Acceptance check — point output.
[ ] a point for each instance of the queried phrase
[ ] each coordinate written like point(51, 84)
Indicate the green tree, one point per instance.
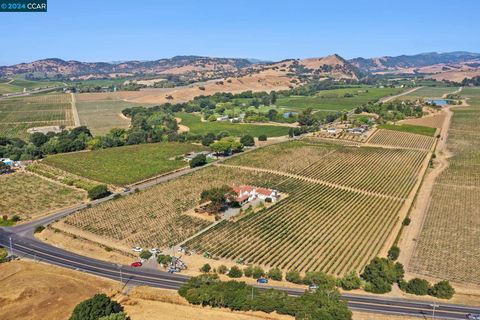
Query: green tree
point(206, 268)
point(294, 277)
point(442, 290)
point(98, 191)
point(418, 286)
point(393, 253)
point(116, 316)
point(322, 280)
point(198, 161)
point(96, 307)
point(3, 255)
point(38, 139)
point(275, 274)
point(257, 272)
point(350, 281)
point(164, 259)
point(247, 141)
point(381, 273)
point(207, 140)
point(262, 137)
point(222, 269)
point(145, 254)
point(248, 271)
point(235, 272)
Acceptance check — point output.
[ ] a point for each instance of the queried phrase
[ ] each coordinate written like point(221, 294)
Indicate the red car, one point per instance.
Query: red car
point(136, 264)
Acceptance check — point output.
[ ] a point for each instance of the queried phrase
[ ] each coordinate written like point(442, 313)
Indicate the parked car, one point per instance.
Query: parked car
point(155, 250)
point(262, 280)
point(473, 316)
point(137, 249)
point(136, 264)
point(171, 270)
point(312, 287)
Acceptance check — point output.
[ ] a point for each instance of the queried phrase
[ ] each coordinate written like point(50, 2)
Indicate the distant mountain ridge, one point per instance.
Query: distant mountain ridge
point(414, 61)
point(333, 66)
point(53, 66)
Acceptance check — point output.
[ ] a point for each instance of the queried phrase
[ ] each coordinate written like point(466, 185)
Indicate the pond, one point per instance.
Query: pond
point(439, 102)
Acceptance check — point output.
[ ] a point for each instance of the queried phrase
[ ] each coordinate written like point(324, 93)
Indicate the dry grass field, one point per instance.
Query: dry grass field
point(53, 295)
point(39, 291)
point(30, 196)
point(449, 243)
point(19, 114)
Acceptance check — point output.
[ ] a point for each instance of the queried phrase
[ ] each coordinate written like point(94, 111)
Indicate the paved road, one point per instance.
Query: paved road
point(25, 245)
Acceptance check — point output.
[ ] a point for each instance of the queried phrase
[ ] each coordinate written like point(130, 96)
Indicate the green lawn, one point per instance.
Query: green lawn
point(426, 131)
point(235, 129)
point(335, 99)
point(124, 165)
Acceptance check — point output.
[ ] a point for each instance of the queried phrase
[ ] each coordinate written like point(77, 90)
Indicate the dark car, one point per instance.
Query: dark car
point(262, 280)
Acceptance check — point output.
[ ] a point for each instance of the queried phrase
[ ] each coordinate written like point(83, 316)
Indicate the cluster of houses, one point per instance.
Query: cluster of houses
point(248, 193)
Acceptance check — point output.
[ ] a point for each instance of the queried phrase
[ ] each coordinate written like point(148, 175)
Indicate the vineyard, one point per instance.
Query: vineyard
point(399, 139)
point(29, 196)
point(391, 172)
point(124, 165)
point(449, 243)
point(315, 228)
point(343, 203)
point(154, 217)
point(279, 156)
point(433, 121)
point(19, 114)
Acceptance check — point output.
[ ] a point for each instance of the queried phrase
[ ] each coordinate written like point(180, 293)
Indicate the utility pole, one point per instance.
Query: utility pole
point(434, 305)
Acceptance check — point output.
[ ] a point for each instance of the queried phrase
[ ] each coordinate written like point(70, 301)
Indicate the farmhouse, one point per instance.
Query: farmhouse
point(249, 193)
point(222, 118)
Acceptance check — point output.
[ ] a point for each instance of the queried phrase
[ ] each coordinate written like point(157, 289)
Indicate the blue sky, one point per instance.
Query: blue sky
point(107, 30)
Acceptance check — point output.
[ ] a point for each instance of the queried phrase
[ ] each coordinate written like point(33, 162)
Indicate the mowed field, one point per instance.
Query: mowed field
point(29, 196)
point(335, 100)
point(196, 126)
point(449, 243)
point(102, 115)
point(19, 114)
point(124, 165)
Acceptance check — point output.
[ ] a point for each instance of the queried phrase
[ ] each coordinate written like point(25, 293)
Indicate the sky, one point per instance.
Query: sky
point(114, 30)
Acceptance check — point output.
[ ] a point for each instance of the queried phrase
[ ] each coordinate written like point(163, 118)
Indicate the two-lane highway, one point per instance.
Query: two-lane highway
point(25, 245)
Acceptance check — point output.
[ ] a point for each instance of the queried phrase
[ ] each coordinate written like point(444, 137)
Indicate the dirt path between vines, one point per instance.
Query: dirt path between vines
point(317, 181)
point(420, 207)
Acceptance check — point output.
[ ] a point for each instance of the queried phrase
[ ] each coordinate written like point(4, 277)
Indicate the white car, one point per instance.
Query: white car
point(137, 249)
point(155, 250)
